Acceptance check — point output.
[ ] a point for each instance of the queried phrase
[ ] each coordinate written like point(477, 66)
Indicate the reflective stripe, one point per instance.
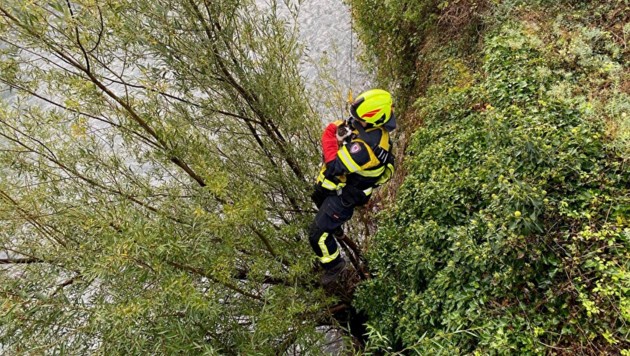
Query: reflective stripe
point(368, 191)
point(387, 175)
point(347, 160)
point(326, 256)
point(328, 184)
point(372, 173)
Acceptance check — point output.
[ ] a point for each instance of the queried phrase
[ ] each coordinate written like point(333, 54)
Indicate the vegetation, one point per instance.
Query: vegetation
point(511, 231)
point(156, 159)
point(397, 35)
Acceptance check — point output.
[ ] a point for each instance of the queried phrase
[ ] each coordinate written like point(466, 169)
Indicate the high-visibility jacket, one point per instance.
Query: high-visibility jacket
point(357, 164)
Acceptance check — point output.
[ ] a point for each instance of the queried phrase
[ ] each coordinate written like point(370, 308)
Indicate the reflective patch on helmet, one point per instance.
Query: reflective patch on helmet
point(355, 148)
point(371, 113)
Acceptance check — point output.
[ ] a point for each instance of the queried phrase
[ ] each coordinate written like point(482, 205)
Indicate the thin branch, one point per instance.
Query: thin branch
point(202, 273)
point(243, 274)
point(49, 101)
point(337, 308)
point(100, 33)
point(44, 229)
point(9, 261)
point(265, 241)
point(78, 38)
point(355, 256)
point(64, 284)
point(77, 174)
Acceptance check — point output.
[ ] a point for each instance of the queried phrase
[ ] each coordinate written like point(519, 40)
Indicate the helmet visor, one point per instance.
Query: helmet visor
point(353, 108)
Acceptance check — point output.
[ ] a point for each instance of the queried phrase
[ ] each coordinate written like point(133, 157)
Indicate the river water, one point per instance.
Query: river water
point(330, 67)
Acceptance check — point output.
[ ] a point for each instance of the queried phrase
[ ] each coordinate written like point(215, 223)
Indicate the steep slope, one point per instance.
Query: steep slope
point(511, 231)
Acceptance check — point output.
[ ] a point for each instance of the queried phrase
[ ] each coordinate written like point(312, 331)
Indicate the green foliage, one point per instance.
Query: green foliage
point(511, 232)
point(155, 164)
point(396, 34)
point(392, 33)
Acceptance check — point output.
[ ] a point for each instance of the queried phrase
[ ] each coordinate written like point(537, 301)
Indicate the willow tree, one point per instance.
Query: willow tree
point(155, 164)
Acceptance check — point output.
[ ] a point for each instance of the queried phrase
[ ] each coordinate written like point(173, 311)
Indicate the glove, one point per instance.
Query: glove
point(343, 131)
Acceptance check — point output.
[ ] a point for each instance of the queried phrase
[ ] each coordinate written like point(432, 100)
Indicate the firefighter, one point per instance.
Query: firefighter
point(357, 159)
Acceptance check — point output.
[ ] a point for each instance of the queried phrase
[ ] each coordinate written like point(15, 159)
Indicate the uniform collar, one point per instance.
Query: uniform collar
point(390, 125)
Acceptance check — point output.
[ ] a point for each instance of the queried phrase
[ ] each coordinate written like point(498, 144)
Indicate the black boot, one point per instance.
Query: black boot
point(331, 274)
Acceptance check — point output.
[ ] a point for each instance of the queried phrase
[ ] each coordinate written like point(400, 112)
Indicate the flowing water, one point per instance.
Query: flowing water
point(331, 67)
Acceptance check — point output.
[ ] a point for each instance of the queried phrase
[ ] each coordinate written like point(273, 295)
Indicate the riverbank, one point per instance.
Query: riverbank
point(510, 231)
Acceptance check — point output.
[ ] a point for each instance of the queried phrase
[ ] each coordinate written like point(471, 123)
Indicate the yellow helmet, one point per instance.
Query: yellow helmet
point(373, 106)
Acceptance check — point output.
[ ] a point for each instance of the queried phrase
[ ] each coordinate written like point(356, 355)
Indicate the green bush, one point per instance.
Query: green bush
point(511, 232)
point(392, 32)
point(395, 34)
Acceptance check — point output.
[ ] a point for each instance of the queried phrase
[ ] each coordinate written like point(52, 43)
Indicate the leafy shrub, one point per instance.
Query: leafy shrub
point(392, 32)
point(511, 232)
point(395, 33)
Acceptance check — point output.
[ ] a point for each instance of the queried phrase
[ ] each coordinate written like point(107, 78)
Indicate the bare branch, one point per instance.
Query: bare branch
point(9, 261)
point(100, 33)
point(78, 38)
